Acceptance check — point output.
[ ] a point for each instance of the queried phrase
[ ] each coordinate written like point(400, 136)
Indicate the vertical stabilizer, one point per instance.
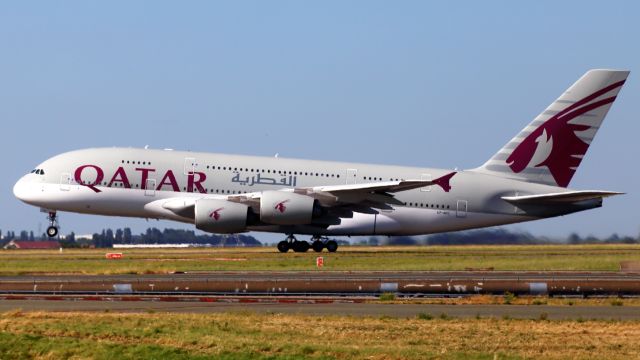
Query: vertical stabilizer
point(550, 149)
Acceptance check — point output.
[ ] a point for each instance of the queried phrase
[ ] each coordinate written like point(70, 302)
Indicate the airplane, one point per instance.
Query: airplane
point(525, 180)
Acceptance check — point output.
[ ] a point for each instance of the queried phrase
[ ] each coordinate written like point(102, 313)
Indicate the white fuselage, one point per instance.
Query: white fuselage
point(137, 182)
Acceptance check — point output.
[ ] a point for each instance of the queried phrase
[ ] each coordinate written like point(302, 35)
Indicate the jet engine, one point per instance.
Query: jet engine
point(287, 208)
point(221, 216)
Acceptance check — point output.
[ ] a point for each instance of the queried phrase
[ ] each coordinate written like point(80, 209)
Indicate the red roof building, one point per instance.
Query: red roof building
point(16, 244)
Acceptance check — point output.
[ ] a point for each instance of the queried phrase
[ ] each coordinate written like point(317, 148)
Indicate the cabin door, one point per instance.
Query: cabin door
point(351, 175)
point(461, 209)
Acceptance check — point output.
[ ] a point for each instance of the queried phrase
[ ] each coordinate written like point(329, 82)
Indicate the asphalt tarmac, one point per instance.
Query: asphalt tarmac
point(178, 293)
point(339, 275)
point(350, 309)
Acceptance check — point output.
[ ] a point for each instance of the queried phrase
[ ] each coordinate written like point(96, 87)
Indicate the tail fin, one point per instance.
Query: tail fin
point(551, 147)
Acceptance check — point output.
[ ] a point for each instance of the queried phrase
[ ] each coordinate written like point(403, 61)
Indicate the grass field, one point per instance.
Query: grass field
point(276, 336)
point(248, 335)
point(140, 261)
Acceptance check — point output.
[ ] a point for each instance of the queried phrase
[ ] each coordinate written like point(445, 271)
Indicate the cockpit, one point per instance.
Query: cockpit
point(37, 171)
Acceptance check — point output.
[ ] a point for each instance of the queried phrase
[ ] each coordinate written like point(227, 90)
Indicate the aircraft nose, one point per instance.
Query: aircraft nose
point(22, 190)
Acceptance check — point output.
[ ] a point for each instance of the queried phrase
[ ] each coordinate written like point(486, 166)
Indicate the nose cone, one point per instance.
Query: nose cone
point(23, 189)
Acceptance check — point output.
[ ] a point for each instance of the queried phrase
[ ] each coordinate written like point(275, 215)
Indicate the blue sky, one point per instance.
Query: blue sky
point(439, 84)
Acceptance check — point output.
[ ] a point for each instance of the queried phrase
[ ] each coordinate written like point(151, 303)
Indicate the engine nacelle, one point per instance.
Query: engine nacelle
point(287, 208)
point(221, 216)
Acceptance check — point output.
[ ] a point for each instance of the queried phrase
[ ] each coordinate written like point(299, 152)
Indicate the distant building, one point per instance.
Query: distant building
point(17, 244)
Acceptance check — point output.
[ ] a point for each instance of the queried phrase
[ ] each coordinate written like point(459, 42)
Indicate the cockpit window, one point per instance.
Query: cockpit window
point(37, 171)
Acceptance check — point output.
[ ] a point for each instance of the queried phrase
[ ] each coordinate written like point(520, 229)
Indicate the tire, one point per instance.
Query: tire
point(332, 246)
point(52, 231)
point(303, 246)
point(283, 246)
point(300, 246)
point(317, 246)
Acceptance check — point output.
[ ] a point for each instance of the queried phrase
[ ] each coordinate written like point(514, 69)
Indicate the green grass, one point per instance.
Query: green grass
point(533, 257)
point(246, 335)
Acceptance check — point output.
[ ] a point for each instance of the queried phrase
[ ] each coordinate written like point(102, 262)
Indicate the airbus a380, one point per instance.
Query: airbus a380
point(526, 180)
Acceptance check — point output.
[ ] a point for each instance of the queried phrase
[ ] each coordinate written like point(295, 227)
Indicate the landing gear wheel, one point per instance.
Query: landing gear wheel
point(283, 246)
point(332, 246)
point(52, 231)
point(301, 246)
point(317, 246)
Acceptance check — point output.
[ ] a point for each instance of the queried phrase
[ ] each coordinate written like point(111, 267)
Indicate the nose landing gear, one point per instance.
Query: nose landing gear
point(52, 230)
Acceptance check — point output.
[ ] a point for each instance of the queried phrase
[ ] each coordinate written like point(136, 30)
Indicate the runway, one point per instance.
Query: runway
point(339, 308)
point(319, 292)
point(356, 283)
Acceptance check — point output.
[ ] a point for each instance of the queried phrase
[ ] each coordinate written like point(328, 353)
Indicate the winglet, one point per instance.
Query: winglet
point(443, 181)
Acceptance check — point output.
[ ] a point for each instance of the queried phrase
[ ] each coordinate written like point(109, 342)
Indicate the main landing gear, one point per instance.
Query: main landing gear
point(317, 244)
point(52, 230)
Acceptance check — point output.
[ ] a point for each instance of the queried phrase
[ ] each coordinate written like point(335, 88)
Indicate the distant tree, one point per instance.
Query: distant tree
point(108, 239)
point(126, 236)
point(373, 241)
point(97, 240)
point(102, 239)
point(31, 237)
point(24, 235)
point(119, 236)
point(592, 240)
point(361, 242)
point(574, 239)
point(613, 239)
point(401, 240)
point(0, 234)
point(69, 241)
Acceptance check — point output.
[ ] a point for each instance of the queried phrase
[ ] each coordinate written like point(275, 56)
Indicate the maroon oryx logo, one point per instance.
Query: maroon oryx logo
point(215, 214)
point(280, 206)
point(561, 150)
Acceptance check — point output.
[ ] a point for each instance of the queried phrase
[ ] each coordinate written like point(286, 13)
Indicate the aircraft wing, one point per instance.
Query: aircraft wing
point(357, 196)
point(387, 186)
point(370, 193)
point(560, 198)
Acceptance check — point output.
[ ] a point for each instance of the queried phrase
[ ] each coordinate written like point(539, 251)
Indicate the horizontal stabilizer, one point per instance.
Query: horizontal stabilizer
point(560, 198)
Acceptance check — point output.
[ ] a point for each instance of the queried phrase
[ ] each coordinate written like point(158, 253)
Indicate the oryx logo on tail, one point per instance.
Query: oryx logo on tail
point(555, 143)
